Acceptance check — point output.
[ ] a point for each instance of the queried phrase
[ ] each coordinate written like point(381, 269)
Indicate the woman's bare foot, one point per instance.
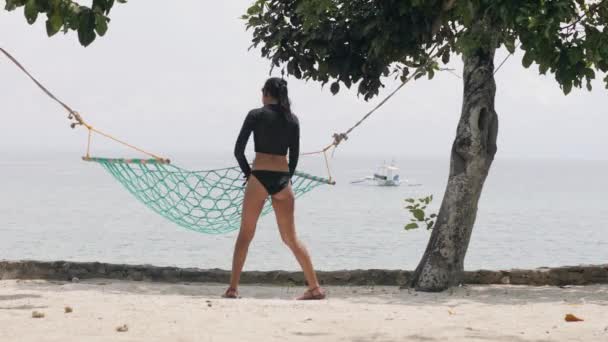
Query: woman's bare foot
point(315, 293)
point(231, 293)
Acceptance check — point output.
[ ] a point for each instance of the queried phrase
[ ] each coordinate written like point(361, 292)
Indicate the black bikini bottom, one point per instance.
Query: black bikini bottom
point(273, 181)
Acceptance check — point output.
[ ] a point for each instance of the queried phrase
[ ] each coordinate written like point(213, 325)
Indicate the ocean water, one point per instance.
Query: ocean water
point(532, 213)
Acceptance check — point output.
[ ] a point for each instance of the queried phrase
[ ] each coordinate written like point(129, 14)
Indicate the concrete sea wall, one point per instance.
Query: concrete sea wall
point(67, 270)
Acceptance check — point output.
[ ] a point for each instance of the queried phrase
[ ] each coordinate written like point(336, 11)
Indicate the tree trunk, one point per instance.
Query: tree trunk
point(473, 151)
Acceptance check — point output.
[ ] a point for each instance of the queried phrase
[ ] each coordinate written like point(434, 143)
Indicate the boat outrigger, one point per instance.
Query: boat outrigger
point(385, 175)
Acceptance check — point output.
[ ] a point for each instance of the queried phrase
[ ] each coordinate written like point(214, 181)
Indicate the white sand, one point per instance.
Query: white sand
point(182, 312)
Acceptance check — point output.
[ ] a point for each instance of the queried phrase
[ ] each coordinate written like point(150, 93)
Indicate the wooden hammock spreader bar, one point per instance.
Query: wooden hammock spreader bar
point(127, 161)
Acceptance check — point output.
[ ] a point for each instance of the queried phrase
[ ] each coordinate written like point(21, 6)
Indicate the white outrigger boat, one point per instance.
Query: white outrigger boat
point(385, 175)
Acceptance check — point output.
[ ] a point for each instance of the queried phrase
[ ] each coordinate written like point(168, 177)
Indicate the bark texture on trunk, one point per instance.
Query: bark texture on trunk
point(473, 151)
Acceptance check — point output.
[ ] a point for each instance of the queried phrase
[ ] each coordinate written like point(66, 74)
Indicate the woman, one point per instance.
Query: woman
point(275, 131)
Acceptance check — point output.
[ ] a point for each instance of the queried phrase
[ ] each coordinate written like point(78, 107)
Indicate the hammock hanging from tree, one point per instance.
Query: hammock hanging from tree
point(203, 201)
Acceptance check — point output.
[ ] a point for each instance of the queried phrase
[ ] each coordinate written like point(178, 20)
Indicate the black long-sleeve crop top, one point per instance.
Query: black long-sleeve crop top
point(274, 132)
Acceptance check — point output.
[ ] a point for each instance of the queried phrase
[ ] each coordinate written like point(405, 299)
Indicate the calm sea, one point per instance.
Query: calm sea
point(532, 213)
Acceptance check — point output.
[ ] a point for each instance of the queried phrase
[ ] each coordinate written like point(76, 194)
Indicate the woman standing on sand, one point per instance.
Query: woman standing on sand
point(276, 131)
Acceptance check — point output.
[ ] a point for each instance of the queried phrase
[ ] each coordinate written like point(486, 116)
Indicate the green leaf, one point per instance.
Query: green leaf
point(86, 27)
point(101, 24)
point(527, 60)
point(411, 226)
point(335, 88)
point(589, 73)
point(109, 5)
point(99, 5)
point(410, 200)
point(510, 45)
point(567, 87)
point(9, 6)
point(430, 225)
point(445, 57)
point(253, 10)
point(53, 24)
point(31, 11)
point(575, 55)
point(418, 214)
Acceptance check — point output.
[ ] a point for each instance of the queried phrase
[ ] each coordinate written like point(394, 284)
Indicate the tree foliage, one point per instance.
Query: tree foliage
point(417, 208)
point(349, 42)
point(66, 15)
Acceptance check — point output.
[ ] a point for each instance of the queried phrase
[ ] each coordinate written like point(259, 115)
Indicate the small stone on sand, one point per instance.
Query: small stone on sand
point(572, 318)
point(122, 328)
point(37, 314)
point(68, 309)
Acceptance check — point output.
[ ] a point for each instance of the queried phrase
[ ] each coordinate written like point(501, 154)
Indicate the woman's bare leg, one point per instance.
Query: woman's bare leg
point(284, 205)
point(253, 203)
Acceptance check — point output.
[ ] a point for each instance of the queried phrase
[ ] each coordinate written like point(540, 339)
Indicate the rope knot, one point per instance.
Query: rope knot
point(339, 137)
point(74, 115)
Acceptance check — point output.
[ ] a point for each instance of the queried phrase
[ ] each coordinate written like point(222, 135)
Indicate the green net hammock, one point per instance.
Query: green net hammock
point(203, 201)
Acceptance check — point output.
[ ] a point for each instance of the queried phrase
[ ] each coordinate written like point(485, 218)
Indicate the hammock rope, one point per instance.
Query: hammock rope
point(338, 138)
point(204, 201)
point(75, 117)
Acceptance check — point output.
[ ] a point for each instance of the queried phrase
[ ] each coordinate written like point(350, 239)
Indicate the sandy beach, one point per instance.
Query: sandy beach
point(194, 312)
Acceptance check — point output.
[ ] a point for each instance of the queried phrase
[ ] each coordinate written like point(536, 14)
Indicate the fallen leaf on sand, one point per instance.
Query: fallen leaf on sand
point(572, 318)
point(68, 309)
point(451, 312)
point(122, 328)
point(37, 314)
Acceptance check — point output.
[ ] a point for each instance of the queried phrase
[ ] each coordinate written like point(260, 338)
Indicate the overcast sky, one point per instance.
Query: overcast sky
point(177, 77)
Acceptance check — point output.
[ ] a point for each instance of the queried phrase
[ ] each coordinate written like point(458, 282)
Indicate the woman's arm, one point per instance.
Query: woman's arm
point(241, 143)
point(294, 147)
